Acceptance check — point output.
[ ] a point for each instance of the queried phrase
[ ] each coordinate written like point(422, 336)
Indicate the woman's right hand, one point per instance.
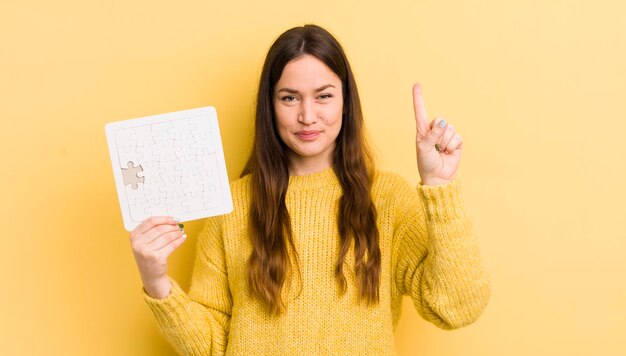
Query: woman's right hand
point(153, 241)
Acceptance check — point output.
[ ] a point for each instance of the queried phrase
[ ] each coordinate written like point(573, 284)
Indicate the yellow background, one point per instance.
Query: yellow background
point(536, 88)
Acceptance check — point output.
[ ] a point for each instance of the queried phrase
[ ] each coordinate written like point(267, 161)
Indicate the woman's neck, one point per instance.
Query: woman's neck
point(300, 167)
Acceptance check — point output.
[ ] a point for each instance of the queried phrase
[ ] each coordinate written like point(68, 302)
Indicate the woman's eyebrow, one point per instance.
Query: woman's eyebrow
point(290, 91)
point(293, 91)
point(324, 87)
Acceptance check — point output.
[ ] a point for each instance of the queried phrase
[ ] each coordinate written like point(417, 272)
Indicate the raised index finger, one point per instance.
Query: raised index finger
point(421, 118)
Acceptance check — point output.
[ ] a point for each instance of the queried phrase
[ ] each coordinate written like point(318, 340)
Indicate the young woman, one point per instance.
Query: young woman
point(320, 246)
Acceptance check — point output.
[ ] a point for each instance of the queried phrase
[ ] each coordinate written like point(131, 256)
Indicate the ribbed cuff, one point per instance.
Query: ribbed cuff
point(443, 203)
point(171, 309)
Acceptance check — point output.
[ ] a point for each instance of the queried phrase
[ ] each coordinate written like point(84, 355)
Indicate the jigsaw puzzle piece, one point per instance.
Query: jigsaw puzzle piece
point(209, 179)
point(153, 194)
point(188, 165)
point(126, 147)
point(212, 198)
point(175, 190)
point(155, 199)
point(153, 174)
point(208, 170)
point(137, 202)
point(168, 172)
point(158, 207)
point(196, 202)
point(148, 153)
point(161, 133)
point(181, 130)
point(205, 143)
point(143, 136)
point(170, 152)
point(177, 207)
point(135, 195)
point(201, 131)
point(186, 147)
point(175, 199)
point(197, 123)
point(193, 193)
point(137, 208)
point(149, 159)
point(211, 188)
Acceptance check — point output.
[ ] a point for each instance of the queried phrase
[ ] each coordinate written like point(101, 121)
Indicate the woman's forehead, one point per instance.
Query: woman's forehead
point(307, 72)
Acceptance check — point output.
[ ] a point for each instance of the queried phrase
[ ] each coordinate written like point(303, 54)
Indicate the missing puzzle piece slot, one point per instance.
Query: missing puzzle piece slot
point(130, 175)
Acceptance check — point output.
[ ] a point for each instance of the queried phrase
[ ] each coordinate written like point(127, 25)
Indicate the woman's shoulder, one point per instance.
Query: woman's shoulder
point(389, 180)
point(241, 184)
point(390, 184)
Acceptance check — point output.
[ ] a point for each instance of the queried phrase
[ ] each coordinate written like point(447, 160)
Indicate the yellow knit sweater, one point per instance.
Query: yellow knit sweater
point(428, 251)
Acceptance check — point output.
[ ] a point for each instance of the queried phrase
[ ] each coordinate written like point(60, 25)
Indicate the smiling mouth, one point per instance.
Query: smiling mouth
point(308, 135)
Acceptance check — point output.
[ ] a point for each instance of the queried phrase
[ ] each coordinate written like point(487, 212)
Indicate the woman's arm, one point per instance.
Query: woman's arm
point(436, 256)
point(197, 323)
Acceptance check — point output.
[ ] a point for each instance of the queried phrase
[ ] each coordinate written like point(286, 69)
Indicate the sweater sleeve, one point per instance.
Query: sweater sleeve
point(437, 258)
point(197, 323)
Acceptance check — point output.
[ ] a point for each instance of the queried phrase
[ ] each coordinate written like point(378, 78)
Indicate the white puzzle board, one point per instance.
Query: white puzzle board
point(169, 164)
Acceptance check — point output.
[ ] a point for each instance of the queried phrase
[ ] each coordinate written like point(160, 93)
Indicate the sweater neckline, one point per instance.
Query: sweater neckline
point(323, 178)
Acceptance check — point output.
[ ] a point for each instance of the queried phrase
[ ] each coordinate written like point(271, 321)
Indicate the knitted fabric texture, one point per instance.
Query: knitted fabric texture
point(428, 252)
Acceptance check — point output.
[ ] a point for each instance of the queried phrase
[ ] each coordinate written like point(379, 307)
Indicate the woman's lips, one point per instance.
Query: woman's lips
point(308, 135)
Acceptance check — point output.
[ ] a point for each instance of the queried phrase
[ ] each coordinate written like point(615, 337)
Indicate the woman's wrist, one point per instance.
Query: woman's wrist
point(435, 181)
point(158, 289)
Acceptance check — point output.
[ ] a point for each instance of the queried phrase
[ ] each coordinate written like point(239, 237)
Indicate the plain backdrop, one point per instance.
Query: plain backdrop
point(536, 89)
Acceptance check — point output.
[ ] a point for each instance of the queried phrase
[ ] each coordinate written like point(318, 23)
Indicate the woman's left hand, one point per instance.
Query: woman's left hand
point(436, 166)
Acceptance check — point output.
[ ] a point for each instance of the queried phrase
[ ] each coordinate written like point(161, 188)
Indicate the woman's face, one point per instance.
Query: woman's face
point(308, 105)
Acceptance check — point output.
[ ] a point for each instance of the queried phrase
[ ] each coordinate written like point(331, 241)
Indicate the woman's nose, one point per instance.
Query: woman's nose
point(307, 115)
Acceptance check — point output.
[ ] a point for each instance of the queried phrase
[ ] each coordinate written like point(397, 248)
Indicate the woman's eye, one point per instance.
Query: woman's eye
point(288, 98)
point(325, 96)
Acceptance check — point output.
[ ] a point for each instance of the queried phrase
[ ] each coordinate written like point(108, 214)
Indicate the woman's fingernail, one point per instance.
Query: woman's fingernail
point(442, 123)
point(184, 236)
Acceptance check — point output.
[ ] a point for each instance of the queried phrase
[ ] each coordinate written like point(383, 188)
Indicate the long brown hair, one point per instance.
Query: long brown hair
point(268, 165)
